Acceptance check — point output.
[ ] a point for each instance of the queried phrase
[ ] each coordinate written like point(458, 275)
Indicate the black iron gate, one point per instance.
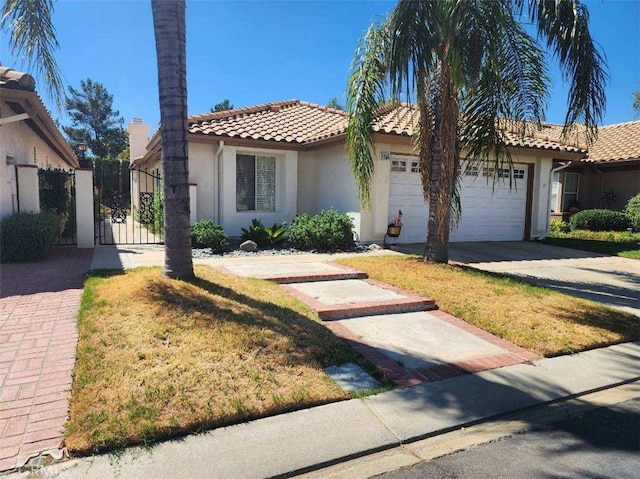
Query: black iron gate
point(57, 189)
point(128, 206)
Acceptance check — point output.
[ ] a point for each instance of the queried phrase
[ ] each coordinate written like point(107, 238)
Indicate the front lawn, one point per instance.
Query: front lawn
point(607, 242)
point(158, 358)
point(535, 318)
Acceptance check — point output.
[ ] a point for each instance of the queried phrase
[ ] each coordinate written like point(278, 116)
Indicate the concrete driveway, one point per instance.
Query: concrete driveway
point(610, 280)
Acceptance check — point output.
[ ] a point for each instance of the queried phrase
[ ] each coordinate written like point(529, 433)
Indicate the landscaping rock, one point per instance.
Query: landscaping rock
point(249, 246)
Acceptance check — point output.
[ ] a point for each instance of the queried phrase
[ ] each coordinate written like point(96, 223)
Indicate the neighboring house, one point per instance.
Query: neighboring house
point(277, 160)
point(607, 178)
point(28, 139)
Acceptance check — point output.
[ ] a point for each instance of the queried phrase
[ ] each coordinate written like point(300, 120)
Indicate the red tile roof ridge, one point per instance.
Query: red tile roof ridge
point(220, 115)
point(617, 125)
point(324, 108)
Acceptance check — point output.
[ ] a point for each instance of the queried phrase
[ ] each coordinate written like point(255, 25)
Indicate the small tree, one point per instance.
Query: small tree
point(222, 106)
point(636, 103)
point(335, 104)
point(94, 121)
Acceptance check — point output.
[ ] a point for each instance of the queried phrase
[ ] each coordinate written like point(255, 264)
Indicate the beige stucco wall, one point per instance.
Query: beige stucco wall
point(286, 189)
point(18, 141)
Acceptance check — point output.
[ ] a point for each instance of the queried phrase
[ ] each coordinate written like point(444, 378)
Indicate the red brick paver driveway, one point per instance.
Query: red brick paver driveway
point(39, 303)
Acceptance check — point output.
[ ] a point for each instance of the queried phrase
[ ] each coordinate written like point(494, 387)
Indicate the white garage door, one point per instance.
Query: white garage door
point(488, 213)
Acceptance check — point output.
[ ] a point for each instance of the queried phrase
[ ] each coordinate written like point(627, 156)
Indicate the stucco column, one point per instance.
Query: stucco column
point(28, 188)
point(193, 202)
point(84, 208)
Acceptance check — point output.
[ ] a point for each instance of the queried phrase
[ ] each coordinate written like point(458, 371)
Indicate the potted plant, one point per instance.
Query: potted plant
point(393, 229)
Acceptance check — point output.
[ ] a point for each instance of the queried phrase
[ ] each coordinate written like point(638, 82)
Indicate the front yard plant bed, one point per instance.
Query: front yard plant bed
point(158, 358)
point(539, 319)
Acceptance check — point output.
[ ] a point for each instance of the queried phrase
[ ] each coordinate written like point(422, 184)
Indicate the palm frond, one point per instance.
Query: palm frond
point(365, 91)
point(564, 24)
point(33, 39)
point(510, 90)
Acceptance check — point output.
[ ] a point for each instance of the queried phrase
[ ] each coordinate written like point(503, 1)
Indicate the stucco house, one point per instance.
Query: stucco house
point(606, 178)
point(29, 139)
point(276, 160)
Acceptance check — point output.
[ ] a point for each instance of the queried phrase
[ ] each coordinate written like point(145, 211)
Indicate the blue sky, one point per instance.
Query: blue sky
point(254, 52)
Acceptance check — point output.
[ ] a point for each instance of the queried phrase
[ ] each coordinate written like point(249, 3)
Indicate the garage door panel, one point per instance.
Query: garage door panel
point(489, 212)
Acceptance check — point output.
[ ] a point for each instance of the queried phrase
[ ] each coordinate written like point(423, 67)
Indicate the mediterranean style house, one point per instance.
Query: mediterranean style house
point(277, 160)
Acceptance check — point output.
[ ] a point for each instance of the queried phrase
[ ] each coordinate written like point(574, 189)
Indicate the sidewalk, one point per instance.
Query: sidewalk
point(303, 441)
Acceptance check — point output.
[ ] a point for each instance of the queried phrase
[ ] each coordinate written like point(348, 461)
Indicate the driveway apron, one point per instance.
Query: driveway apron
point(39, 303)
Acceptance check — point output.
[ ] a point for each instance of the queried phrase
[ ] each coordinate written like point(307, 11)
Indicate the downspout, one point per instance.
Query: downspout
point(548, 212)
point(217, 181)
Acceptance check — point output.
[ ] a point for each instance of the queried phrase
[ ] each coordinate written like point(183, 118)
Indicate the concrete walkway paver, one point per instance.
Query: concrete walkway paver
point(39, 303)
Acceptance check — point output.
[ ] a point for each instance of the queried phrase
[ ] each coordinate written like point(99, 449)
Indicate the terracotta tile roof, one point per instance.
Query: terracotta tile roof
point(300, 122)
point(15, 80)
point(399, 120)
point(290, 121)
point(616, 143)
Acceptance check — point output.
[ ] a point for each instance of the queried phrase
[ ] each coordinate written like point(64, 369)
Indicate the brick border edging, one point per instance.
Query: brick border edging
point(346, 273)
point(410, 303)
point(403, 377)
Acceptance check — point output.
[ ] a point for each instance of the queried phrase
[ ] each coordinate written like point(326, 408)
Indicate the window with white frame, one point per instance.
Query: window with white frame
point(570, 190)
point(255, 183)
point(554, 191)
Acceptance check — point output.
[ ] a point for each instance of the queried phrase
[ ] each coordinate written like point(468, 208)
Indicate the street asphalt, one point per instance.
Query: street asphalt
point(601, 443)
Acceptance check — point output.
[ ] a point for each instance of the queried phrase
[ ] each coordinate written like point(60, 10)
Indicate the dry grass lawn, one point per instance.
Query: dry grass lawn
point(538, 319)
point(158, 358)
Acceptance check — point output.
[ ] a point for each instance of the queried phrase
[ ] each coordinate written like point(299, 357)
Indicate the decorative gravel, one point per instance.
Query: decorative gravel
point(233, 251)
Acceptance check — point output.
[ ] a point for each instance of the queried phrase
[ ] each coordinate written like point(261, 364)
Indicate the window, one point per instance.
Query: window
point(255, 183)
point(415, 167)
point(570, 190)
point(554, 191)
point(398, 165)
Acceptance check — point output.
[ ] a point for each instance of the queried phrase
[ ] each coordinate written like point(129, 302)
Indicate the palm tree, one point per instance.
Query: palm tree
point(32, 37)
point(170, 32)
point(472, 72)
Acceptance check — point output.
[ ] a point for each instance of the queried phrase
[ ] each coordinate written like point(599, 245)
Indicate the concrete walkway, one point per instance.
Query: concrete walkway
point(610, 280)
point(39, 303)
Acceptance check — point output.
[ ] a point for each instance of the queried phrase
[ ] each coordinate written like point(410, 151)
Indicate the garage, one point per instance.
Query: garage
point(489, 213)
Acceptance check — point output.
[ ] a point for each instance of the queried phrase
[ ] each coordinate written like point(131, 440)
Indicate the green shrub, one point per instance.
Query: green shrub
point(599, 220)
point(204, 234)
point(558, 226)
point(56, 196)
point(276, 234)
point(158, 211)
point(327, 231)
point(632, 210)
point(264, 236)
point(255, 233)
point(28, 236)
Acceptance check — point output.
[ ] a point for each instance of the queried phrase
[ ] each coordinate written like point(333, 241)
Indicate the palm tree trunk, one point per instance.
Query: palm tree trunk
point(444, 170)
point(170, 32)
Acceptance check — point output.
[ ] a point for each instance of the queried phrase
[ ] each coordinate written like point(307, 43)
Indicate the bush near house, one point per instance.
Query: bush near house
point(632, 210)
point(205, 234)
point(599, 220)
point(28, 236)
point(264, 236)
point(327, 231)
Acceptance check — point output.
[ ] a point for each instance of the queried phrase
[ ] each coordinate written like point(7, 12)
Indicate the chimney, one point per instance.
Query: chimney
point(138, 138)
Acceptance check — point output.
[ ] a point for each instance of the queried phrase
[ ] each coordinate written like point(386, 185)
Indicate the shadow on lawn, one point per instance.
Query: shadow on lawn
point(311, 341)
